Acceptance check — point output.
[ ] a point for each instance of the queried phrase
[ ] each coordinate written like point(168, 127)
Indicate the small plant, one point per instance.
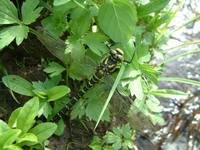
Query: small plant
point(23, 130)
point(119, 138)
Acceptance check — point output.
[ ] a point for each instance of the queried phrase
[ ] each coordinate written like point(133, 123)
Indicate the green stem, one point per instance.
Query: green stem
point(181, 55)
point(183, 45)
point(184, 25)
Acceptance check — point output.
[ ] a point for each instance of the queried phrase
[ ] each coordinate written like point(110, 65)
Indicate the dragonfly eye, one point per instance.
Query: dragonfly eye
point(117, 54)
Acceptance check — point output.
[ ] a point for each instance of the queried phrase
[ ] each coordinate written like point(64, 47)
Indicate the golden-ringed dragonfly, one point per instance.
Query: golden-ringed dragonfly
point(107, 66)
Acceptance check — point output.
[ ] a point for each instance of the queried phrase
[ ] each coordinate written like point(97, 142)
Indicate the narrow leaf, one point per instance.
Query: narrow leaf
point(119, 76)
point(181, 80)
point(168, 93)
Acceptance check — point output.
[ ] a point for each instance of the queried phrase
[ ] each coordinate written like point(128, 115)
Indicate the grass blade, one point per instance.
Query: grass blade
point(181, 55)
point(181, 80)
point(111, 94)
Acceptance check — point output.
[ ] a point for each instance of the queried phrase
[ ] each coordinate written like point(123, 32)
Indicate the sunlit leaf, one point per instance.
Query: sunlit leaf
point(117, 19)
point(30, 11)
point(8, 12)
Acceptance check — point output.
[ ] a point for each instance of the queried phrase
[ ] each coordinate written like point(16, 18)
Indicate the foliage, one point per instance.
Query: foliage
point(18, 29)
point(120, 138)
point(22, 129)
point(81, 34)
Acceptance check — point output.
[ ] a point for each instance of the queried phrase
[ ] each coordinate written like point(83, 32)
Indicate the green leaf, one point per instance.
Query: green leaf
point(117, 19)
point(12, 147)
point(78, 110)
point(96, 143)
point(153, 6)
point(55, 24)
point(157, 119)
point(81, 23)
point(95, 41)
point(28, 137)
point(8, 137)
point(44, 130)
point(3, 126)
point(45, 109)
point(94, 107)
point(60, 2)
point(154, 104)
point(13, 117)
point(18, 84)
point(8, 34)
point(30, 11)
point(54, 69)
point(57, 92)
point(27, 114)
point(150, 72)
point(136, 88)
point(8, 12)
point(168, 93)
point(60, 127)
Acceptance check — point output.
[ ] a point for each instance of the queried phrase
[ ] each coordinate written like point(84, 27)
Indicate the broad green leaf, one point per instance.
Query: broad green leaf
point(168, 93)
point(13, 117)
point(60, 2)
point(81, 24)
point(8, 12)
point(18, 84)
point(28, 137)
point(30, 11)
point(117, 19)
point(55, 24)
point(60, 127)
point(136, 88)
point(8, 137)
point(54, 69)
point(57, 92)
point(27, 114)
point(95, 41)
point(44, 130)
point(63, 9)
point(3, 126)
point(153, 6)
point(8, 34)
